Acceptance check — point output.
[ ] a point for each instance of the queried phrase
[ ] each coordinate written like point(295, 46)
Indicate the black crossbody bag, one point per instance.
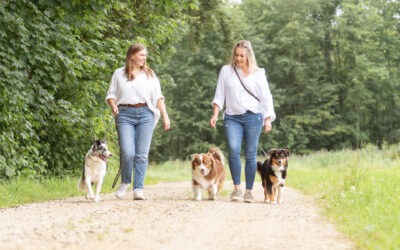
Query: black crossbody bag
point(240, 79)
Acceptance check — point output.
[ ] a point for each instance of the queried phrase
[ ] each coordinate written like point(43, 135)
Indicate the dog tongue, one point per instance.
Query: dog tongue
point(103, 157)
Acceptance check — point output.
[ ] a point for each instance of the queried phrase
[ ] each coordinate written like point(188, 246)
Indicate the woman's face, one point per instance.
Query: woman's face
point(241, 57)
point(139, 58)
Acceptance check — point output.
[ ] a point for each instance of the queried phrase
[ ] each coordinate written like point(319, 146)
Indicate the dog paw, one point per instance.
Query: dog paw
point(97, 199)
point(212, 198)
point(274, 203)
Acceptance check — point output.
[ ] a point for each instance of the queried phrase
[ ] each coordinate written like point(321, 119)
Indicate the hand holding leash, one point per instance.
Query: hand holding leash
point(267, 125)
point(114, 110)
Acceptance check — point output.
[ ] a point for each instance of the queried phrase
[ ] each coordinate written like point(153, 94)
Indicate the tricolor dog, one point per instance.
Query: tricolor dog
point(94, 169)
point(273, 174)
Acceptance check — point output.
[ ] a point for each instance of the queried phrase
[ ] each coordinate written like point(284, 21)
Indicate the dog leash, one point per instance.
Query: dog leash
point(120, 165)
point(108, 128)
point(105, 136)
point(262, 150)
point(116, 177)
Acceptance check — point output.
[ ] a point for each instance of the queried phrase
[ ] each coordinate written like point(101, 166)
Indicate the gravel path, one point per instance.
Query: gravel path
point(170, 219)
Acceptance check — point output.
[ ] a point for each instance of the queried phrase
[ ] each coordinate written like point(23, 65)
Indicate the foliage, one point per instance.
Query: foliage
point(332, 66)
point(333, 81)
point(56, 60)
point(194, 69)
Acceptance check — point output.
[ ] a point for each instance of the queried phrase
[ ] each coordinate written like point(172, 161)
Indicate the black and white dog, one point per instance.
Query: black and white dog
point(94, 169)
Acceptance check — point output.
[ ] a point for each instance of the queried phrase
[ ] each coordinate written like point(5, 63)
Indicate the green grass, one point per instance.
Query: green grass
point(357, 190)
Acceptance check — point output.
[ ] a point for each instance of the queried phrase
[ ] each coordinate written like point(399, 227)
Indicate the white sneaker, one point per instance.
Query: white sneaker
point(122, 190)
point(138, 194)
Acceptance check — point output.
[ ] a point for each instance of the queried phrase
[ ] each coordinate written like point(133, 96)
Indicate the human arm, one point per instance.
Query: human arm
point(266, 100)
point(219, 98)
point(214, 118)
point(164, 114)
point(113, 106)
point(111, 96)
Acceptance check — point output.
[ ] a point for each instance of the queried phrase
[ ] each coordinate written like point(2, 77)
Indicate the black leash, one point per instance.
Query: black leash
point(120, 165)
point(105, 136)
point(117, 177)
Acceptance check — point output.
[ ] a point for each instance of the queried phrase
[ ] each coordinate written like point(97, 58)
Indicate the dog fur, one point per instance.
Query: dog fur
point(208, 173)
point(94, 169)
point(273, 174)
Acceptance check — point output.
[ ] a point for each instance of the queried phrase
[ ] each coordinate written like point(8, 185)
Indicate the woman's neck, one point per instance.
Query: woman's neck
point(136, 69)
point(245, 70)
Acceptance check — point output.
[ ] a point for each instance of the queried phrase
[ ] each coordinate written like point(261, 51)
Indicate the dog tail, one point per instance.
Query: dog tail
point(81, 182)
point(217, 153)
point(81, 185)
point(259, 166)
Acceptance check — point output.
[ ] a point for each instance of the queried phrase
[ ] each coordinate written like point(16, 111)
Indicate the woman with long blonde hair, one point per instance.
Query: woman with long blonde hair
point(243, 88)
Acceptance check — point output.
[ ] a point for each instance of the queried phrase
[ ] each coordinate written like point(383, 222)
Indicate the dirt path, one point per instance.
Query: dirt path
point(169, 219)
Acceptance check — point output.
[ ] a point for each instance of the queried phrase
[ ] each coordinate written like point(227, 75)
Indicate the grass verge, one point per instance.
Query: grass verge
point(358, 191)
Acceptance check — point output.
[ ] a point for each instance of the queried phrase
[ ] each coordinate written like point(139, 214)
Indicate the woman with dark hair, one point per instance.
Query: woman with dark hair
point(243, 87)
point(136, 102)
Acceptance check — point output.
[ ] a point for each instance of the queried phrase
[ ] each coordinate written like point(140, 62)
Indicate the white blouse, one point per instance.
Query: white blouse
point(139, 90)
point(231, 92)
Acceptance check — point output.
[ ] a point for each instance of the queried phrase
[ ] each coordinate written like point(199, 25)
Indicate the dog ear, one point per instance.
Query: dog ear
point(94, 144)
point(287, 152)
point(272, 150)
point(193, 156)
point(212, 160)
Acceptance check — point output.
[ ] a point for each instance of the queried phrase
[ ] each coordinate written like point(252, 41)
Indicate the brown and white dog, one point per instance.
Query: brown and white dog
point(273, 174)
point(208, 173)
point(94, 169)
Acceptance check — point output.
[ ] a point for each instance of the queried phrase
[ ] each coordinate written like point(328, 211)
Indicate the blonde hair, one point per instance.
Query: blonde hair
point(133, 49)
point(251, 59)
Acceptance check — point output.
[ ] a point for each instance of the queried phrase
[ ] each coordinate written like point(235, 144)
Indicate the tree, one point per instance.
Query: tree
point(194, 69)
point(56, 60)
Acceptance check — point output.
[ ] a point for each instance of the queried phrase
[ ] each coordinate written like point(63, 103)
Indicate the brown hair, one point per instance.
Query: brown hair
point(133, 49)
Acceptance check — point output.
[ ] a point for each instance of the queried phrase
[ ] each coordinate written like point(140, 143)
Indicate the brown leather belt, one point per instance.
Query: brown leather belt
point(137, 105)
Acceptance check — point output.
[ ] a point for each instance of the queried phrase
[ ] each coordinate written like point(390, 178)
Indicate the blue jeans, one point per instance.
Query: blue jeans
point(135, 130)
point(245, 127)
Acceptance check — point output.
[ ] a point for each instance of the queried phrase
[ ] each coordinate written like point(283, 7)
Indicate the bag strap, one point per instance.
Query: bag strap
point(240, 79)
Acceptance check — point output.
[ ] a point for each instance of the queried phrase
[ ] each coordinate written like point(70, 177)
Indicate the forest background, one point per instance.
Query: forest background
point(332, 66)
